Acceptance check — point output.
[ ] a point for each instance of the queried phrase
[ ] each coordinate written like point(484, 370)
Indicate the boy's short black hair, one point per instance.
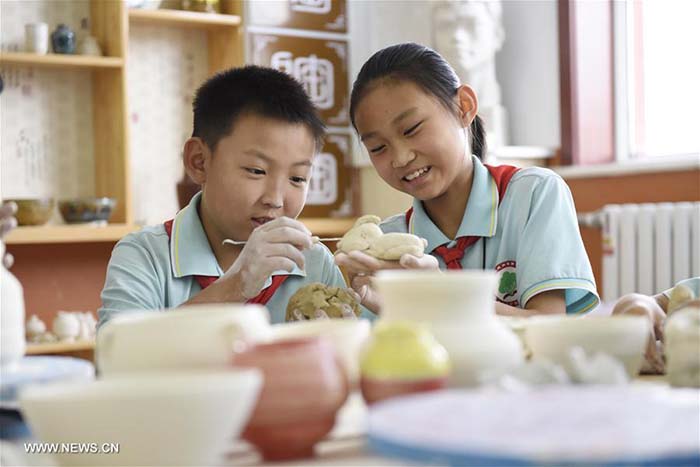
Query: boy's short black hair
point(259, 90)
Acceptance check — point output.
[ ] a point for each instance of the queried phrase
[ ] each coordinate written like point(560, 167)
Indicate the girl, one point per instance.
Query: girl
point(423, 135)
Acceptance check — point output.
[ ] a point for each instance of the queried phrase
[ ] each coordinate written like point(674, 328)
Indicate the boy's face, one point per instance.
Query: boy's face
point(258, 172)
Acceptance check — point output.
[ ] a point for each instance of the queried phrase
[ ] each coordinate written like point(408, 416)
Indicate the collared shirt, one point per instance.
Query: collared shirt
point(150, 271)
point(531, 238)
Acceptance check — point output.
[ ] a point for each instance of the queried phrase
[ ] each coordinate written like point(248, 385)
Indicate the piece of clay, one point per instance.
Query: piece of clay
point(682, 334)
point(309, 300)
point(367, 237)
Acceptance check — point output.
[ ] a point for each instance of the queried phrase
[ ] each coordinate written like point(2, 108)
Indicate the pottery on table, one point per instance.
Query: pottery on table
point(458, 308)
point(402, 357)
point(63, 40)
point(194, 336)
point(12, 341)
point(33, 211)
point(346, 335)
point(304, 387)
point(156, 419)
point(623, 337)
point(682, 334)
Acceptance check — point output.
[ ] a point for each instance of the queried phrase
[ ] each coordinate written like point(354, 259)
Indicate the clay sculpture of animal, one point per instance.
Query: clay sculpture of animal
point(367, 237)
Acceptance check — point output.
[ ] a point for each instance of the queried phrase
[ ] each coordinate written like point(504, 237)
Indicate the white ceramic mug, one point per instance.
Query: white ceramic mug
point(36, 36)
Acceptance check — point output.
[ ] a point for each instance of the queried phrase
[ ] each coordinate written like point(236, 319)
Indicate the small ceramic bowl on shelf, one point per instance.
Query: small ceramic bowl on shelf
point(82, 210)
point(36, 211)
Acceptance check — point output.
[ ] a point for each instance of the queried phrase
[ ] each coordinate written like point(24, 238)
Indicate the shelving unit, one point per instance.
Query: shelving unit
point(75, 233)
point(60, 61)
point(187, 19)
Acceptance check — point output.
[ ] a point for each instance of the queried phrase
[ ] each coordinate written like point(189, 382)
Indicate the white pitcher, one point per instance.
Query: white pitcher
point(459, 308)
point(12, 342)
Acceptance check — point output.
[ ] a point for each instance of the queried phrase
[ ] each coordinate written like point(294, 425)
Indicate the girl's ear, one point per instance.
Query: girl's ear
point(196, 158)
point(468, 104)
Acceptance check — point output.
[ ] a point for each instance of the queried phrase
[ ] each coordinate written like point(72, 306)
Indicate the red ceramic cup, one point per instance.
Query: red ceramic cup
point(303, 389)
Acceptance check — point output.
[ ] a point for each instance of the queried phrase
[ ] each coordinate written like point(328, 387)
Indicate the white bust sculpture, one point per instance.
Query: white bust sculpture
point(468, 33)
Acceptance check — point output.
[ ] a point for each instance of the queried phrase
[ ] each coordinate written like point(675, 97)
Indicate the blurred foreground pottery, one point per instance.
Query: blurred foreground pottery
point(195, 336)
point(304, 388)
point(12, 343)
point(402, 358)
point(682, 333)
point(346, 335)
point(166, 418)
point(623, 337)
point(458, 308)
point(33, 211)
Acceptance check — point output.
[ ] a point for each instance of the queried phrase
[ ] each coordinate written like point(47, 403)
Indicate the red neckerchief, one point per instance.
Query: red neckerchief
point(205, 281)
point(453, 256)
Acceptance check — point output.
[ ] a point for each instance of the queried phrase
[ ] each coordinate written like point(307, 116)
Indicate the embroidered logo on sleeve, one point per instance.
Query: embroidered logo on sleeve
point(507, 283)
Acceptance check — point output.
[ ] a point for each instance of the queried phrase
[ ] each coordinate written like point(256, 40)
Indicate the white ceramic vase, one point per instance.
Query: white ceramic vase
point(459, 308)
point(66, 326)
point(12, 343)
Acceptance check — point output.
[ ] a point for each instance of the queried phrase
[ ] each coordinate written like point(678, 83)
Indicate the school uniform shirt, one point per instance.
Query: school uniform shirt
point(149, 270)
point(530, 237)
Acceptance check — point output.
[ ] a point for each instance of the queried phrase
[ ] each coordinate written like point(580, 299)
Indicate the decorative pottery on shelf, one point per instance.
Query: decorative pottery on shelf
point(458, 307)
point(63, 40)
point(304, 387)
point(401, 358)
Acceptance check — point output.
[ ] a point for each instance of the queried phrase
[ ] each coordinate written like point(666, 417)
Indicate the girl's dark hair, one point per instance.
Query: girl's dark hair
point(425, 68)
point(266, 92)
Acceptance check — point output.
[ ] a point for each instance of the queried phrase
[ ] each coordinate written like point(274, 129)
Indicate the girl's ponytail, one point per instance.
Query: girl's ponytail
point(478, 137)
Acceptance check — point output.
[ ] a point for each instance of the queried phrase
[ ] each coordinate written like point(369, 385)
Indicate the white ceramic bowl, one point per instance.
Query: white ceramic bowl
point(197, 336)
point(347, 336)
point(160, 419)
point(622, 337)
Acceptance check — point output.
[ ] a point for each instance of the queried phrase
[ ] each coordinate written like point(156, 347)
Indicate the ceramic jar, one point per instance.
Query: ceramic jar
point(63, 40)
point(35, 328)
point(90, 46)
point(12, 343)
point(36, 36)
point(682, 334)
point(304, 386)
point(459, 309)
point(402, 357)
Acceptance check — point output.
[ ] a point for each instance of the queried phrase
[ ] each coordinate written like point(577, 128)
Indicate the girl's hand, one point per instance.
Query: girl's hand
point(638, 304)
point(360, 268)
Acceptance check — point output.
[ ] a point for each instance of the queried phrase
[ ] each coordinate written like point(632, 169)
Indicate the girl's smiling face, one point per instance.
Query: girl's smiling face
point(416, 144)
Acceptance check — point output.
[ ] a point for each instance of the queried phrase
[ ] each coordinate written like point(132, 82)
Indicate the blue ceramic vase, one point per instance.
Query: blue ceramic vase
point(63, 40)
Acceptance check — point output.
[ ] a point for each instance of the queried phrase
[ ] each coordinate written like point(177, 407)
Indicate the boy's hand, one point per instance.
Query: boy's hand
point(361, 267)
point(638, 304)
point(271, 247)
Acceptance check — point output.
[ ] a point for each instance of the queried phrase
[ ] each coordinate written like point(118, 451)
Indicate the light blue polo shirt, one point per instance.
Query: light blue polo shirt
point(148, 271)
point(531, 239)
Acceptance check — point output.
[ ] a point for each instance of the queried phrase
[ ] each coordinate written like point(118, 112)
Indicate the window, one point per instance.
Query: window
point(657, 78)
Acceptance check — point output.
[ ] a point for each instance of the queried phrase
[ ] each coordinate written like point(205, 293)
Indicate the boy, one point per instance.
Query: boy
point(254, 138)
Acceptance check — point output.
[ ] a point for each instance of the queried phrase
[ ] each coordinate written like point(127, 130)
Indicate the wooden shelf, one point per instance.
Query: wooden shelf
point(59, 60)
point(75, 233)
point(328, 227)
point(188, 19)
point(59, 347)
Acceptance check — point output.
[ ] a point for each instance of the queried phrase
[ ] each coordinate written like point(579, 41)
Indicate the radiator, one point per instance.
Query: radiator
point(647, 248)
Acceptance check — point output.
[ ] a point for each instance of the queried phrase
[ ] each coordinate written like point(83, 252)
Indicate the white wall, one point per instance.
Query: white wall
point(528, 72)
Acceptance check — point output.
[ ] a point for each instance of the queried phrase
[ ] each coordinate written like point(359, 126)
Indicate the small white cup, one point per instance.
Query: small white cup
point(36, 37)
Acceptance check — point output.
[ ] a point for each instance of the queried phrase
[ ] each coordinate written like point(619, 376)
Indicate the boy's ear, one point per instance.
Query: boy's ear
point(468, 104)
point(196, 157)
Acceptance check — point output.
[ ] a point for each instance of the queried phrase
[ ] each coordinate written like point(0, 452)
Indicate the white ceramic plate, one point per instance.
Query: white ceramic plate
point(556, 425)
